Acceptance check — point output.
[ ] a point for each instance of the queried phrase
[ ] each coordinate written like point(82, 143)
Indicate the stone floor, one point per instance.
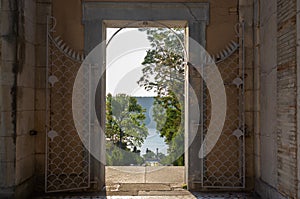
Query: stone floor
point(148, 191)
point(147, 183)
point(187, 195)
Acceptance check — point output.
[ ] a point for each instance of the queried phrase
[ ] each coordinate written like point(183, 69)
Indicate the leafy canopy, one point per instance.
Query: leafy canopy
point(125, 129)
point(163, 73)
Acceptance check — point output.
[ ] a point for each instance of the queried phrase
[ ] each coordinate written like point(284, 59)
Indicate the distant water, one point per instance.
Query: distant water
point(153, 141)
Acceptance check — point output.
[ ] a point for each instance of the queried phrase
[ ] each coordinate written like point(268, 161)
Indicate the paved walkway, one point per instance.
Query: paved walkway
point(140, 174)
point(148, 183)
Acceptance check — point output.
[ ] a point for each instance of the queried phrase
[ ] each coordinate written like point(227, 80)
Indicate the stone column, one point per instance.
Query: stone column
point(246, 17)
point(92, 39)
point(43, 9)
point(194, 138)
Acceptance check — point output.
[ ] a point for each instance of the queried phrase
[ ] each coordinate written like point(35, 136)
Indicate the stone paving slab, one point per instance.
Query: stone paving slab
point(145, 187)
point(141, 174)
point(169, 174)
point(130, 174)
point(186, 195)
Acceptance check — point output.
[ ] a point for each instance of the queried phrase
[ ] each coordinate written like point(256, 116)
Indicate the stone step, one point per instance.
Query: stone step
point(150, 193)
point(121, 193)
point(145, 187)
point(165, 193)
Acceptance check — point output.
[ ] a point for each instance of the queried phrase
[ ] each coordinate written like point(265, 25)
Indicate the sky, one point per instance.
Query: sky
point(124, 55)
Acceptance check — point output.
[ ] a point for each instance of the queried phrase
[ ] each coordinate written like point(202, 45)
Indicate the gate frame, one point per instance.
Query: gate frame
point(96, 14)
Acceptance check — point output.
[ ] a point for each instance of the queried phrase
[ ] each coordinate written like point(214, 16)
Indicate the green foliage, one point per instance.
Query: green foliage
point(163, 69)
point(116, 156)
point(164, 37)
point(176, 151)
point(125, 129)
point(125, 121)
point(163, 73)
point(167, 115)
point(150, 155)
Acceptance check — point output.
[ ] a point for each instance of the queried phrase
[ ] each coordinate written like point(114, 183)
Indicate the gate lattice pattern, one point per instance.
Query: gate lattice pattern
point(224, 166)
point(67, 160)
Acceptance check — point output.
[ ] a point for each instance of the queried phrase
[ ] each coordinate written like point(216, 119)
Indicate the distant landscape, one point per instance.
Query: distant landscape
point(153, 141)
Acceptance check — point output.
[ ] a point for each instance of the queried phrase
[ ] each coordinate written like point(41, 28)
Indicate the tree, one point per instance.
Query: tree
point(150, 155)
point(163, 73)
point(163, 64)
point(116, 156)
point(125, 129)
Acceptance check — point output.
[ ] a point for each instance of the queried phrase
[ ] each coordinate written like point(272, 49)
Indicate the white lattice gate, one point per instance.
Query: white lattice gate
point(67, 160)
point(224, 166)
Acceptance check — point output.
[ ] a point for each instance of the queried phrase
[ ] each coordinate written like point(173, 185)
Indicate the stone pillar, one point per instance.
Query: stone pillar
point(194, 138)
point(246, 17)
point(92, 39)
point(43, 9)
point(266, 139)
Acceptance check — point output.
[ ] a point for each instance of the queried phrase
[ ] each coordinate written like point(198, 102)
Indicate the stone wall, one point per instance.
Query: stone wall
point(266, 61)
point(17, 98)
point(9, 22)
point(286, 98)
point(220, 31)
point(25, 92)
point(276, 175)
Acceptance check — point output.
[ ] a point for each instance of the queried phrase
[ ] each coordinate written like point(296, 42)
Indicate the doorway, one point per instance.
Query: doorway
point(145, 80)
point(99, 15)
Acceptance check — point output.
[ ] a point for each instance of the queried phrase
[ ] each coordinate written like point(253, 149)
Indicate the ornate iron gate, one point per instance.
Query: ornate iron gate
point(224, 166)
point(67, 160)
